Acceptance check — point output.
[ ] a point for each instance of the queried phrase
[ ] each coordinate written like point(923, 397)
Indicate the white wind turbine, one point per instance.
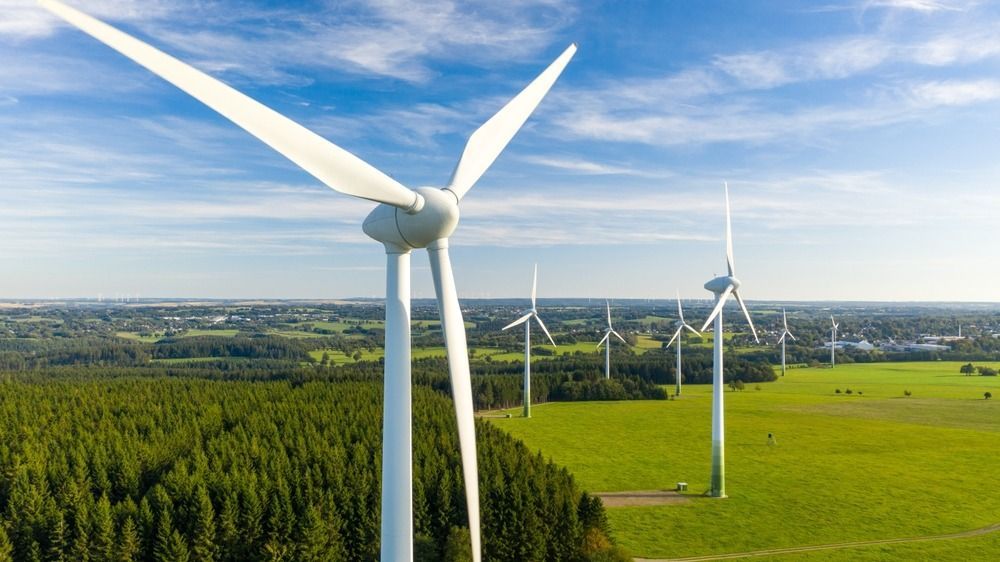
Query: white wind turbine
point(681, 325)
point(533, 313)
point(833, 342)
point(722, 286)
point(405, 220)
point(781, 340)
point(606, 341)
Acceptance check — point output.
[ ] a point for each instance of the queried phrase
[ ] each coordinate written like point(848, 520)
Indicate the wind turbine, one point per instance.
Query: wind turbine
point(723, 287)
point(533, 313)
point(781, 340)
point(405, 220)
point(607, 345)
point(681, 324)
point(833, 342)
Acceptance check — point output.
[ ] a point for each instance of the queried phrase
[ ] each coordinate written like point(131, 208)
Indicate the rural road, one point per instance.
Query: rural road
point(790, 550)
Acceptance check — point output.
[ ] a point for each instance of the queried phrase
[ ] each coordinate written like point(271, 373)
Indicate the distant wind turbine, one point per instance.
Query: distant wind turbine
point(606, 340)
point(723, 287)
point(833, 342)
point(533, 313)
point(405, 220)
point(681, 324)
point(781, 340)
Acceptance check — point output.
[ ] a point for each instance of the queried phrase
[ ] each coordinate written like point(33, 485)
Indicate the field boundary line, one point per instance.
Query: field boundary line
point(835, 546)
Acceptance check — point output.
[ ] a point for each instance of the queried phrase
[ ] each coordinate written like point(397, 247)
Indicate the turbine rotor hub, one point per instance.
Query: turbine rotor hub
point(436, 219)
point(720, 284)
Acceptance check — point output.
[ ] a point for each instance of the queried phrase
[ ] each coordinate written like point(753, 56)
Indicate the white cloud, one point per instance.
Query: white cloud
point(955, 92)
point(25, 19)
point(926, 6)
point(587, 167)
point(391, 38)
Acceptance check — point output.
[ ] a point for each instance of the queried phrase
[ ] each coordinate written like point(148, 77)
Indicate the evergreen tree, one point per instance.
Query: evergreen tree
point(229, 531)
point(56, 538)
point(147, 528)
point(164, 547)
point(204, 549)
point(34, 552)
point(103, 534)
point(458, 546)
point(313, 538)
point(6, 548)
point(176, 549)
point(128, 545)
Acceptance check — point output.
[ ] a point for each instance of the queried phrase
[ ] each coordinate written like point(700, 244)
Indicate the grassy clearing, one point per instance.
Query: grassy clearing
point(337, 357)
point(137, 337)
point(645, 343)
point(845, 467)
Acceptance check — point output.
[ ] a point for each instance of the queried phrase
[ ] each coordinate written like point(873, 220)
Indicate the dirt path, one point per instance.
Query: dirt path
point(790, 550)
point(641, 498)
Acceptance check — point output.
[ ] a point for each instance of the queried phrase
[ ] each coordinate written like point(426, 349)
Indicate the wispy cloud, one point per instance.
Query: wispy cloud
point(25, 19)
point(926, 6)
point(591, 168)
point(268, 45)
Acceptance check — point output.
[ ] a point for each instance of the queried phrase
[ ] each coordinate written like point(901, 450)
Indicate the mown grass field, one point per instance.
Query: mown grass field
point(845, 467)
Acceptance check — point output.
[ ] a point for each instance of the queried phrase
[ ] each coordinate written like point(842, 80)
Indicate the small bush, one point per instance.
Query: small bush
point(860, 393)
point(988, 395)
point(848, 391)
point(757, 387)
point(837, 391)
point(907, 393)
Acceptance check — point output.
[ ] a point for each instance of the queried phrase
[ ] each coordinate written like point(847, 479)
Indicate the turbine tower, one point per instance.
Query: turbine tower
point(404, 220)
point(681, 324)
point(533, 313)
point(781, 340)
point(607, 345)
point(833, 342)
point(722, 287)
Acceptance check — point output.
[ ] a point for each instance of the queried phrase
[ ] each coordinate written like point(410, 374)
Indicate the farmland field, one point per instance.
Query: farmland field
point(877, 465)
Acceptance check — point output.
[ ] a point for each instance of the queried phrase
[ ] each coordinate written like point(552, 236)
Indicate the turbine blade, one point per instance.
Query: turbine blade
point(680, 312)
point(784, 319)
point(617, 335)
point(486, 144)
point(790, 335)
point(534, 287)
point(544, 329)
point(782, 338)
point(718, 307)
point(337, 168)
point(517, 322)
point(604, 339)
point(693, 331)
point(746, 313)
point(730, 262)
point(676, 334)
point(608, 305)
point(453, 328)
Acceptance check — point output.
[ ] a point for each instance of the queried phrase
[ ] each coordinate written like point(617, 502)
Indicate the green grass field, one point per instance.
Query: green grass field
point(845, 468)
point(137, 337)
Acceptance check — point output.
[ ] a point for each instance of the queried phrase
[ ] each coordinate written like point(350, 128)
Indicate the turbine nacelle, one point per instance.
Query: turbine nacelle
point(434, 219)
point(720, 284)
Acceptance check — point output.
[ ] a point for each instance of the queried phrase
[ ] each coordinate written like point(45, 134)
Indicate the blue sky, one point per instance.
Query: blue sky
point(859, 139)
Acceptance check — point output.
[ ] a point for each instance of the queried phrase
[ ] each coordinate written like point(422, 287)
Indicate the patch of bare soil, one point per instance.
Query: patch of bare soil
point(641, 498)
